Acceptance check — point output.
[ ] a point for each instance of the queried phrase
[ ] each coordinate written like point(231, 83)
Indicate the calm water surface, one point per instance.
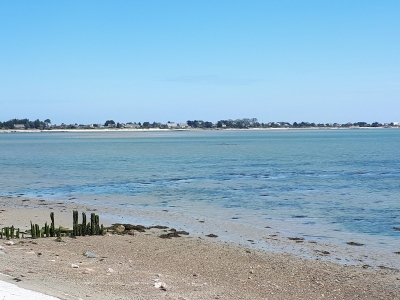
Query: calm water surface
point(319, 183)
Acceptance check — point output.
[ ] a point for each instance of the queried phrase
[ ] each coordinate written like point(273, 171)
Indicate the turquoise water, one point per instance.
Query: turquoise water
point(321, 183)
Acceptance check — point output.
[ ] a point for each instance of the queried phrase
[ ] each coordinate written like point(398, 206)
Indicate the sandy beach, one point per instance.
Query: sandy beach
point(145, 266)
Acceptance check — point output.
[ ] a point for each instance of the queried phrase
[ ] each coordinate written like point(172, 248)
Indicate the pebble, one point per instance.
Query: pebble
point(74, 266)
point(161, 285)
point(89, 254)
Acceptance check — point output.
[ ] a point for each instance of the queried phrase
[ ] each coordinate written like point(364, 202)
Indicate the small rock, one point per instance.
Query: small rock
point(89, 254)
point(74, 266)
point(9, 243)
point(32, 272)
point(119, 229)
point(161, 285)
point(366, 266)
point(212, 235)
point(295, 239)
point(110, 270)
point(354, 244)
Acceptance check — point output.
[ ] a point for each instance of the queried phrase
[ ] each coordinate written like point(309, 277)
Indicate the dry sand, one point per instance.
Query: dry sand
point(145, 266)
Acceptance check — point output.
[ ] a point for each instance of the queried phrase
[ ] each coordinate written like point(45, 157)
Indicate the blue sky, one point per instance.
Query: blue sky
point(89, 61)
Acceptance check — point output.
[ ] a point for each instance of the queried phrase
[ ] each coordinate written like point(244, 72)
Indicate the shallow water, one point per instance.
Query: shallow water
point(325, 185)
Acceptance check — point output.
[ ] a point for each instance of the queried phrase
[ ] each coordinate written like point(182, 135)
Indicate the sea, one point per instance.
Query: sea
point(330, 186)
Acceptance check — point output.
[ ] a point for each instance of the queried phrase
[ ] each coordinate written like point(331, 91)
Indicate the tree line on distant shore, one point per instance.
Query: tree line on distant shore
point(244, 123)
point(25, 124)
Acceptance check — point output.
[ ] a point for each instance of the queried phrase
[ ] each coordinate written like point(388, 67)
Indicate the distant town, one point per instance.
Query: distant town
point(26, 124)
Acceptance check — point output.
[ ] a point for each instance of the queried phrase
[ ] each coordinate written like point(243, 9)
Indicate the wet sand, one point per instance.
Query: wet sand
point(145, 266)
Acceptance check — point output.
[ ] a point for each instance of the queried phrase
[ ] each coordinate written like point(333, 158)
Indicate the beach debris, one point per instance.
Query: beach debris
point(212, 235)
point(87, 271)
point(160, 285)
point(74, 266)
point(119, 229)
point(322, 252)
point(183, 232)
point(354, 244)
point(366, 266)
point(158, 227)
point(173, 233)
point(296, 239)
point(139, 228)
point(169, 235)
point(89, 254)
point(396, 228)
point(9, 243)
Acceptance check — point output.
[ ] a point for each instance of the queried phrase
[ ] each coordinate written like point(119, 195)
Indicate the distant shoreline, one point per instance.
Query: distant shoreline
point(189, 129)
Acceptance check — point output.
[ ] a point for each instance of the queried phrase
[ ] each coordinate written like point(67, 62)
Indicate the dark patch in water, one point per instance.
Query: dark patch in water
point(354, 244)
point(295, 239)
point(299, 216)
